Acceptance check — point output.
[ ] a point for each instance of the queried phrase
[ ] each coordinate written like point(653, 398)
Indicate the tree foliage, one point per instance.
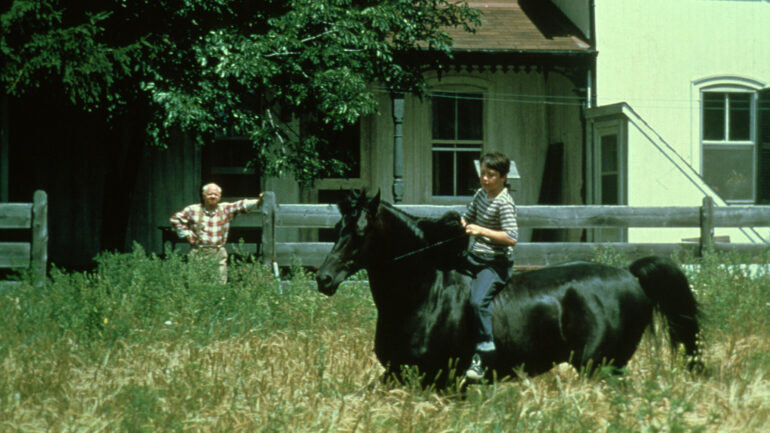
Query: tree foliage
point(282, 72)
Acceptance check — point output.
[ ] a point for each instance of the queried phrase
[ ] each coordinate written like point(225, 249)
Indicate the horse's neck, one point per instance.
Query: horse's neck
point(402, 295)
point(417, 314)
point(403, 285)
point(399, 282)
point(397, 232)
point(398, 291)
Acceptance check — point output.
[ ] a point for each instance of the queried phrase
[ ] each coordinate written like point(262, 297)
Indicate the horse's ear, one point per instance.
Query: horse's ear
point(346, 204)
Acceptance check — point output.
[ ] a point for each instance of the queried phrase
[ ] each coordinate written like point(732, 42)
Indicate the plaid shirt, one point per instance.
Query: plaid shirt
point(205, 227)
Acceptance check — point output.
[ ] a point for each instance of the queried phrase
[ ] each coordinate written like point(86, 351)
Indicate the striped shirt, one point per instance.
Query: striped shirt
point(498, 213)
point(208, 227)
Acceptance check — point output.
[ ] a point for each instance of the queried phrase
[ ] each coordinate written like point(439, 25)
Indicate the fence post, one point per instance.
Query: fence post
point(268, 228)
point(706, 225)
point(39, 250)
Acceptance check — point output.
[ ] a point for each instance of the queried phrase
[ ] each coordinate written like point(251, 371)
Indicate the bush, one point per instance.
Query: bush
point(138, 296)
point(734, 297)
point(144, 344)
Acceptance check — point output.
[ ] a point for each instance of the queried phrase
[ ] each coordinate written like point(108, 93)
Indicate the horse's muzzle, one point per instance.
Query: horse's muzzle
point(326, 284)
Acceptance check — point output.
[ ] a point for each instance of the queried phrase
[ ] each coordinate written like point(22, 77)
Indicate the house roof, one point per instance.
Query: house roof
point(521, 26)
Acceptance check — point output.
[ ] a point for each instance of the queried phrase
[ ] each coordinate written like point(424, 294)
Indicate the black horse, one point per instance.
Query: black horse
point(584, 313)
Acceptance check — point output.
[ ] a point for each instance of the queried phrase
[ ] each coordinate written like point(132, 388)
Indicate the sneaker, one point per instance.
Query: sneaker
point(475, 372)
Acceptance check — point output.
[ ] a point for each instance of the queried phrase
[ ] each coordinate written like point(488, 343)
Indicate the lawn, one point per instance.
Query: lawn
point(149, 344)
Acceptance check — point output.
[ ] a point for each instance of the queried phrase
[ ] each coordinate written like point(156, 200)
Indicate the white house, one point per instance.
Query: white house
point(681, 108)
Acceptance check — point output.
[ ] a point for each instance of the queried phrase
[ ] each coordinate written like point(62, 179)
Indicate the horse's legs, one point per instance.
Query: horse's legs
point(540, 342)
point(578, 326)
point(596, 340)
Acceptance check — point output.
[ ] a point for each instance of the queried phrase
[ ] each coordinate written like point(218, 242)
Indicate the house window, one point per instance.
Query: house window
point(729, 147)
point(345, 146)
point(763, 147)
point(225, 163)
point(457, 139)
point(608, 168)
point(608, 162)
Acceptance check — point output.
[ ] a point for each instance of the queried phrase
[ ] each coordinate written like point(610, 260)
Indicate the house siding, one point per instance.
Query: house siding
point(105, 194)
point(518, 121)
point(651, 56)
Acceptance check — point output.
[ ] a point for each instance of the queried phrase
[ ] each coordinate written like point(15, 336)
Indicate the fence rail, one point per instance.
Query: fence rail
point(705, 217)
point(325, 216)
point(31, 254)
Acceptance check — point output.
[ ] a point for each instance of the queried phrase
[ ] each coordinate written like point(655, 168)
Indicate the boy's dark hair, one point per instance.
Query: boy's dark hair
point(496, 161)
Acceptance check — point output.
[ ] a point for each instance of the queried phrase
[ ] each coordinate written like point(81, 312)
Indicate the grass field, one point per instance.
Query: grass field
point(148, 345)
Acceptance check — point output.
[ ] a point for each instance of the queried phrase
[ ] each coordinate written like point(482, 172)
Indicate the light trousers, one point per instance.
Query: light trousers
point(219, 253)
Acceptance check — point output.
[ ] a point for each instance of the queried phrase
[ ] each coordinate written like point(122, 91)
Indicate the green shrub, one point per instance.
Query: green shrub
point(138, 296)
point(150, 344)
point(734, 297)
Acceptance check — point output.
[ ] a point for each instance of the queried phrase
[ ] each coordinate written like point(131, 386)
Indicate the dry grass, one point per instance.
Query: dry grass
point(329, 381)
point(314, 371)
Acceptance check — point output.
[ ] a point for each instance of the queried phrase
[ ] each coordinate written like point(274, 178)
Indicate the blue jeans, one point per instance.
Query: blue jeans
point(489, 276)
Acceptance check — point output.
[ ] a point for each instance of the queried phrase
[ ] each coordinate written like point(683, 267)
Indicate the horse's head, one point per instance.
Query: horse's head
point(348, 253)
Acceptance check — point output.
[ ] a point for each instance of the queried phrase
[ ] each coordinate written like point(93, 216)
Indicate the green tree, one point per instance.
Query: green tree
point(244, 67)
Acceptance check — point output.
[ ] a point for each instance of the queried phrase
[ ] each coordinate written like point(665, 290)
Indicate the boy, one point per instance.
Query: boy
point(491, 219)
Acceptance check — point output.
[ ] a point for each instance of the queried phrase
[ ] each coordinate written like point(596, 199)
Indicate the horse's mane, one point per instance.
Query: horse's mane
point(445, 235)
point(411, 222)
point(356, 200)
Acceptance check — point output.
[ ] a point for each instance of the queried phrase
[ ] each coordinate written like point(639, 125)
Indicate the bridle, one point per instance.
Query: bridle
point(426, 248)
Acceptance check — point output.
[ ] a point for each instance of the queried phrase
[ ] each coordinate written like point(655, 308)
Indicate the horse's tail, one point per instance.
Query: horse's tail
point(665, 283)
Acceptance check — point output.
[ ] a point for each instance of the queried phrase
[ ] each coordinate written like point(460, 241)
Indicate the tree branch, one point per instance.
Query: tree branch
point(301, 41)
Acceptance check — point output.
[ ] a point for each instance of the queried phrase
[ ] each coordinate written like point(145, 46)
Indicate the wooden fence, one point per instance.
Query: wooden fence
point(705, 217)
point(32, 254)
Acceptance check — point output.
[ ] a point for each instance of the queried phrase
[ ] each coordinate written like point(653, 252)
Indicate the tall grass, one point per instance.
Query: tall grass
point(143, 344)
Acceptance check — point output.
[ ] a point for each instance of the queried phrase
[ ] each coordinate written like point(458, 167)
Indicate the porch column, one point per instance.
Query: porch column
point(398, 147)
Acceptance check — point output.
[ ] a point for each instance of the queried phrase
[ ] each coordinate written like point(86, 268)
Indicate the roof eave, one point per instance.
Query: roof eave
point(527, 52)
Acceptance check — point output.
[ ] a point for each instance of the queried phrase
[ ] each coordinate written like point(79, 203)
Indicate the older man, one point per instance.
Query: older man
point(206, 225)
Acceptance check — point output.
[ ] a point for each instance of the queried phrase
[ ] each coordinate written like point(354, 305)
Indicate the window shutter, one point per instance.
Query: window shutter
point(763, 147)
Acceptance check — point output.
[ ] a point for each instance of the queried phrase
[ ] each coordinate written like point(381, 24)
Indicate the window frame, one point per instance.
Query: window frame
point(457, 145)
point(606, 123)
point(332, 183)
point(213, 170)
point(763, 147)
point(729, 85)
point(603, 128)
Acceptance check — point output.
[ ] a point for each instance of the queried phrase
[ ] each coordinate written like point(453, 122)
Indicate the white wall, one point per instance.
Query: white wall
point(651, 56)
point(654, 180)
point(650, 52)
point(659, 176)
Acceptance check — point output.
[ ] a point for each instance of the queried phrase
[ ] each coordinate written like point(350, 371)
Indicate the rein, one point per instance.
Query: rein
point(423, 249)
